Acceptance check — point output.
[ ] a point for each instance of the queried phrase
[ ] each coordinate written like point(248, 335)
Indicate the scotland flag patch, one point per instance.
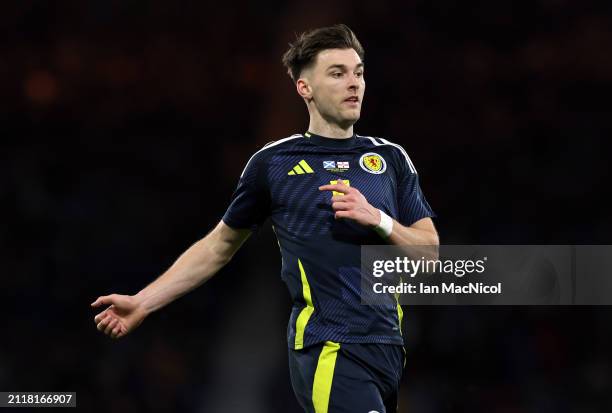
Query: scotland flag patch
point(329, 164)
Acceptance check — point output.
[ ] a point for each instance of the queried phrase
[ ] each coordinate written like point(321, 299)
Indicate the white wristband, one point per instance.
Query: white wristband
point(385, 227)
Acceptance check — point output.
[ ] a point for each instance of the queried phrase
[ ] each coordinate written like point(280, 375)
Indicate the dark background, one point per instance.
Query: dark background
point(126, 124)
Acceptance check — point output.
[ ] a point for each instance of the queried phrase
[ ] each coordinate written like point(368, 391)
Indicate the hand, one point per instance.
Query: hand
point(352, 205)
point(122, 316)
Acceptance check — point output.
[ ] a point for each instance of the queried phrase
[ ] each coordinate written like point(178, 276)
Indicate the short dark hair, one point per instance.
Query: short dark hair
point(303, 52)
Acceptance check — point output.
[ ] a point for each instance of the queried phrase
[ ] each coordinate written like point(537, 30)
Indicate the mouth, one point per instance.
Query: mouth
point(352, 100)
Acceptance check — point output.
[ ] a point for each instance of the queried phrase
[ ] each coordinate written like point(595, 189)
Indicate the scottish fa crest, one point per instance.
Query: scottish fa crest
point(373, 163)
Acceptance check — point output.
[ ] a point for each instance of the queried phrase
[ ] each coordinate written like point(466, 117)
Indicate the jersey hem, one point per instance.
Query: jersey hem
point(394, 340)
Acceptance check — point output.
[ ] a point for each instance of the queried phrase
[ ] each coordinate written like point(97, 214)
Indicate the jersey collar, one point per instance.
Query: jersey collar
point(331, 142)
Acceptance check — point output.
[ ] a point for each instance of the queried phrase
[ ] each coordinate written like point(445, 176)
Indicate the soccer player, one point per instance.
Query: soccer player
point(328, 191)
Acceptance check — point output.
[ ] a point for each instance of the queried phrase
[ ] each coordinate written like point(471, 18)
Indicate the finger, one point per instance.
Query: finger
point(116, 331)
point(341, 206)
point(336, 187)
point(344, 214)
point(100, 316)
point(345, 188)
point(97, 302)
point(102, 324)
point(342, 198)
point(110, 326)
point(122, 331)
point(328, 187)
point(109, 311)
point(106, 299)
point(342, 184)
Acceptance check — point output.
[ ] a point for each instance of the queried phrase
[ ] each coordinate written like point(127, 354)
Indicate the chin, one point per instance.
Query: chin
point(348, 122)
point(353, 115)
point(352, 119)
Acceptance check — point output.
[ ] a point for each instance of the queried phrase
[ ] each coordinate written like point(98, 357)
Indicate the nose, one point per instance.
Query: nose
point(353, 82)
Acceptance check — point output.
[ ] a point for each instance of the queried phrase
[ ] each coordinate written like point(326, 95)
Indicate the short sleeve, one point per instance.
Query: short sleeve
point(412, 205)
point(250, 204)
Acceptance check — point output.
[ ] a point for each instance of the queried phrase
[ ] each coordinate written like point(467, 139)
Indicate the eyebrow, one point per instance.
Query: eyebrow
point(343, 67)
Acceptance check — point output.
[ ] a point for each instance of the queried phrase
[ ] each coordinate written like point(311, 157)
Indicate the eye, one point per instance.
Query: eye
point(359, 74)
point(336, 75)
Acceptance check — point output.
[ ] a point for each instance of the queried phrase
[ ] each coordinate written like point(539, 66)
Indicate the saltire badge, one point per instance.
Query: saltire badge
point(373, 163)
point(329, 164)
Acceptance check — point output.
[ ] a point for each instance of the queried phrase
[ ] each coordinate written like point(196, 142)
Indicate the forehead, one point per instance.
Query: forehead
point(330, 57)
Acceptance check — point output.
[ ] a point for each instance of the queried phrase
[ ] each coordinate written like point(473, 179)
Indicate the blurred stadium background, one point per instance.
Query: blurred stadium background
point(125, 126)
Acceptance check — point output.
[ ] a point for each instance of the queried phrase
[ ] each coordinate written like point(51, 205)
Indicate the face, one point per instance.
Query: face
point(335, 85)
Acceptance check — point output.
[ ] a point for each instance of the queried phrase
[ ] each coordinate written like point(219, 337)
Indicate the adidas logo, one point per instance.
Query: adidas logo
point(301, 168)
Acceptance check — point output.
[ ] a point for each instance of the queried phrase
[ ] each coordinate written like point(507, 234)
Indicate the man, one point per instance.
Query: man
point(327, 191)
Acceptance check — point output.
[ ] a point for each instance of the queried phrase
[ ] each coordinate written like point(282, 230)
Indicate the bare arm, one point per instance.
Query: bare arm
point(194, 267)
point(421, 232)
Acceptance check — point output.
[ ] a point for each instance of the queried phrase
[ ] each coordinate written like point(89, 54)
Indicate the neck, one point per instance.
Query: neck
point(320, 126)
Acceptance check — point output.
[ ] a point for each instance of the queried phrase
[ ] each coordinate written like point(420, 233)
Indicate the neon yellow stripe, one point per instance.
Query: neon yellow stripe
point(299, 170)
point(400, 314)
point(324, 375)
point(306, 167)
point(400, 311)
point(291, 173)
point(302, 320)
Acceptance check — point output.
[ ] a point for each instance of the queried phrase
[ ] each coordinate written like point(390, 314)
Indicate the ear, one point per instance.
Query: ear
point(303, 88)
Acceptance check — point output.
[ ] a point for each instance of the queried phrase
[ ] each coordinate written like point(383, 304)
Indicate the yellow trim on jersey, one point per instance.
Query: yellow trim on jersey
point(302, 319)
point(400, 315)
point(400, 311)
point(324, 376)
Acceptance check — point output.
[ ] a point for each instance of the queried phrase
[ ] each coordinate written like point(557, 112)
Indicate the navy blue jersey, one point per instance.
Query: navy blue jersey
point(321, 255)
